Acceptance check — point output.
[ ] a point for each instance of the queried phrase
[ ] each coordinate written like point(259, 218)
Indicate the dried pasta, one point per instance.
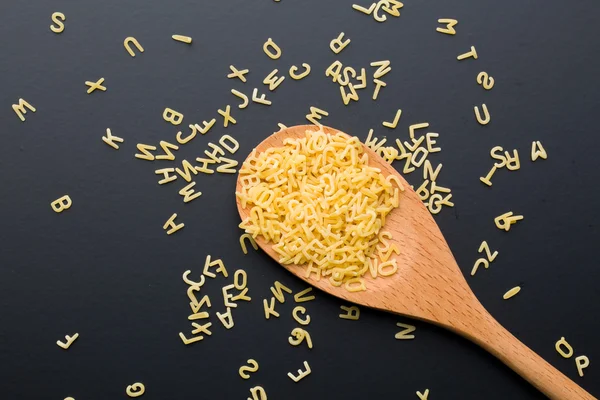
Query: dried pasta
point(137, 44)
point(95, 85)
point(394, 123)
point(559, 348)
point(299, 335)
point(172, 225)
point(19, 109)
point(244, 368)
point(472, 53)
point(271, 49)
point(352, 313)
point(301, 298)
point(581, 362)
point(135, 390)
point(181, 38)
point(378, 85)
point(538, 151)
point(270, 308)
point(297, 77)
point(277, 289)
point(338, 44)
point(69, 341)
point(226, 116)
point(110, 139)
point(404, 334)
point(449, 29)
point(300, 309)
point(273, 80)
point(384, 68)
point(226, 318)
point(486, 115)
point(250, 239)
point(258, 392)
point(58, 18)
point(61, 204)
point(511, 292)
point(319, 203)
point(301, 374)
point(240, 74)
point(232, 147)
point(364, 10)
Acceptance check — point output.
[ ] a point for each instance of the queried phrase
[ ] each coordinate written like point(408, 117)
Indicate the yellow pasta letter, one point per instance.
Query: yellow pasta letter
point(226, 117)
point(258, 393)
point(270, 309)
point(352, 313)
point(485, 80)
point(486, 113)
point(405, 333)
point(295, 76)
point(252, 242)
point(384, 68)
point(273, 80)
point(537, 151)
point(562, 342)
point(188, 193)
point(472, 53)
point(95, 85)
point(261, 100)
point(449, 29)
point(298, 336)
point(241, 96)
point(172, 116)
point(226, 318)
point(315, 114)
point(61, 204)
point(277, 289)
point(19, 108)
point(346, 97)
point(171, 224)
point(581, 362)
point(505, 220)
point(334, 70)
point(300, 298)
point(300, 309)
point(486, 180)
point(244, 368)
point(271, 49)
point(135, 390)
point(394, 123)
point(137, 44)
point(208, 263)
point(378, 85)
point(57, 18)
point(393, 11)
point(301, 374)
point(337, 45)
point(110, 139)
point(237, 73)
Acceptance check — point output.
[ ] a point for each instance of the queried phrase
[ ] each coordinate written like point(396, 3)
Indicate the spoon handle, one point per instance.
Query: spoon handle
point(481, 328)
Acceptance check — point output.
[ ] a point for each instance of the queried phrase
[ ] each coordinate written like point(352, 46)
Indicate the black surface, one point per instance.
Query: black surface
point(107, 270)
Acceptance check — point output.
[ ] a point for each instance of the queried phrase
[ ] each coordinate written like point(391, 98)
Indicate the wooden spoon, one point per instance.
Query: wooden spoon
point(429, 285)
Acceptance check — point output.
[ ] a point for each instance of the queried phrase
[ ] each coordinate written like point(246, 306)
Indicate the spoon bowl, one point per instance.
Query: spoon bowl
point(428, 285)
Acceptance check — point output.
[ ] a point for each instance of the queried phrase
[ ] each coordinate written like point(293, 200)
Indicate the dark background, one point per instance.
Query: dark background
point(106, 269)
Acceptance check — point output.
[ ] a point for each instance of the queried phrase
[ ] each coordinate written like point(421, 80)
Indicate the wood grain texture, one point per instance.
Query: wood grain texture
point(429, 284)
